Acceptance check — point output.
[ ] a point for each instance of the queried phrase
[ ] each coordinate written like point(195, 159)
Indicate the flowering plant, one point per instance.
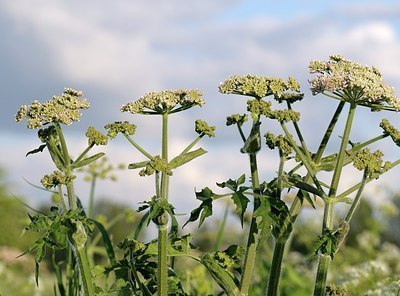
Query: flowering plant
point(149, 268)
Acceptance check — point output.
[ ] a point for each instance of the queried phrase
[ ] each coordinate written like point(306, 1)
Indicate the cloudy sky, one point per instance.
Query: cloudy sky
point(116, 51)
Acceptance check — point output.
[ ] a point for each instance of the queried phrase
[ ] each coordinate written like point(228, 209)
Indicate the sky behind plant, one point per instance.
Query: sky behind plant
point(116, 51)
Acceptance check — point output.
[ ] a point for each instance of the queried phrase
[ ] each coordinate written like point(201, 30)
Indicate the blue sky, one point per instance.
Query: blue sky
point(117, 51)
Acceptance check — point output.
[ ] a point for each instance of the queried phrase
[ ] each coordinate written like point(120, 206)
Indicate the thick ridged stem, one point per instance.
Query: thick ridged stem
point(253, 238)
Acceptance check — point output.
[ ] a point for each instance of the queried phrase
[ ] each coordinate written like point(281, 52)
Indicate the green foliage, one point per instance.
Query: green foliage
point(91, 264)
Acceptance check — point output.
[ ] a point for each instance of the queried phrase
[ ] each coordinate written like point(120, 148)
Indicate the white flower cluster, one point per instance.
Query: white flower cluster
point(166, 101)
point(259, 86)
point(62, 109)
point(353, 82)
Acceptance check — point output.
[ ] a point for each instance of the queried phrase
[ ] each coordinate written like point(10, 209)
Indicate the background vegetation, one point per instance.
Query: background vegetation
point(367, 265)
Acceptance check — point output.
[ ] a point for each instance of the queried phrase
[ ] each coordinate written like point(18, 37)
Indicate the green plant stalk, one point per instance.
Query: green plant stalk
point(357, 186)
point(80, 251)
point(357, 197)
point(138, 147)
point(276, 267)
point(324, 260)
point(191, 145)
point(162, 279)
point(162, 286)
point(284, 234)
point(221, 230)
point(253, 238)
point(91, 196)
point(320, 280)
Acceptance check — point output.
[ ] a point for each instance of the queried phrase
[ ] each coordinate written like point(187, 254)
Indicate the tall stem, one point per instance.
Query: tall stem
point(324, 260)
point(284, 232)
point(91, 197)
point(79, 248)
point(162, 279)
point(252, 241)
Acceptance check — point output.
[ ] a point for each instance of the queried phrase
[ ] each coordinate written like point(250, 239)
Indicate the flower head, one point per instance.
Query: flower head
point(120, 127)
point(260, 87)
point(236, 119)
point(166, 101)
point(95, 137)
point(54, 179)
point(280, 141)
point(202, 128)
point(62, 109)
point(372, 162)
point(353, 83)
point(391, 131)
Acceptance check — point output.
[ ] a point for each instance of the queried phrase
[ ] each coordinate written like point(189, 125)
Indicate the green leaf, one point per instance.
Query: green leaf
point(107, 242)
point(233, 184)
point(223, 278)
point(138, 165)
point(180, 246)
point(298, 182)
point(253, 142)
point(304, 194)
point(205, 194)
point(186, 157)
point(241, 202)
point(281, 218)
point(326, 244)
point(143, 221)
point(87, 160)
point(264, 220)
point(203, 211)
point(37, 150)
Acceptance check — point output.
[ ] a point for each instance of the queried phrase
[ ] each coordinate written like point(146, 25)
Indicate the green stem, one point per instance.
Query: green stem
point(91, 197)
point(320, 280)
point(162, 286)
point(138, 147)
point(276, 267)
point(85, 271)
point(190, 146)
point(284, 233)
point(357, 198)
point(300, 136)
point(80, 251)
point(253, 238)
point(357, 186)
point(342, 151)
point(324, 260)
point(304, 159)
point(61, 195)
point(241, 132)
point(84, 153)
point(221, 229)
point(162, 279)
point(282, 160)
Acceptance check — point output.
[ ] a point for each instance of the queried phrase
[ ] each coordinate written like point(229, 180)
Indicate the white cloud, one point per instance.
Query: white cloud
point(136, 46)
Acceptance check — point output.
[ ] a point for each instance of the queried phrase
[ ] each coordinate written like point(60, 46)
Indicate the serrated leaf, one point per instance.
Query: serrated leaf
point(205, 194)
point(180, 246)
point(87, 160)
point(264, 221)
point(223, 278)
point(185, 158)
point(326, 244)
point(203, 211)
point(306, 195)
point(37, 150)
point(138, 165)
point(232, 184)
point(241, 202)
